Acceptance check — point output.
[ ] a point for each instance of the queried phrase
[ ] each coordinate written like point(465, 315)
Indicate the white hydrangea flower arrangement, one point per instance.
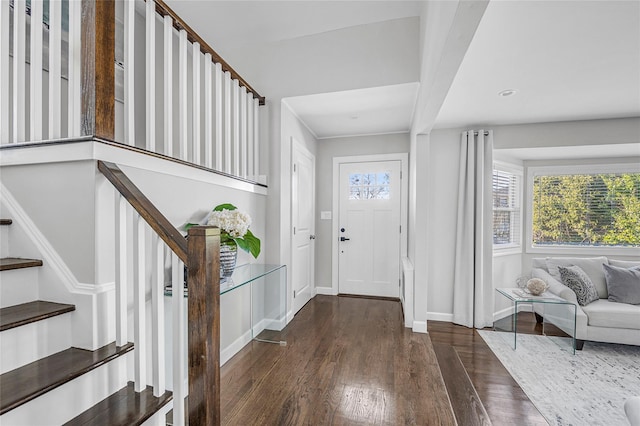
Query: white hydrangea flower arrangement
point(234, 228)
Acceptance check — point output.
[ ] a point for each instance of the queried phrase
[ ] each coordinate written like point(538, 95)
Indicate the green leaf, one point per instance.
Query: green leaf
point(253, 242)
point(226, 206)
point(190, 225)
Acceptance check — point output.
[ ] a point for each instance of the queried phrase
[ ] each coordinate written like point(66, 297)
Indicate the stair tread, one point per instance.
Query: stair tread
point(6, 221)
point(25, 313)
point(7, 263)
point(32, 380)
point(125, 407)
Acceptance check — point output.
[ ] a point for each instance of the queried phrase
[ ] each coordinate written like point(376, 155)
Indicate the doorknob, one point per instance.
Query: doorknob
point(344, 239)
point(312, 237)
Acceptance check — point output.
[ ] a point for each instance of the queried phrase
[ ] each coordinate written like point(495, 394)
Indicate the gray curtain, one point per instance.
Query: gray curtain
point(472, 286)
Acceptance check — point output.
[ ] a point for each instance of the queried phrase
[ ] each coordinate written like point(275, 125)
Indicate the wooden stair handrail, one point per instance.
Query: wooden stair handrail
point(179, 24)
point(145, 208)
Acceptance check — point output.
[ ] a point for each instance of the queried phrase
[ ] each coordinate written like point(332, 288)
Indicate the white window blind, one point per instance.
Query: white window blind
point(586, 209)
point(506, 209)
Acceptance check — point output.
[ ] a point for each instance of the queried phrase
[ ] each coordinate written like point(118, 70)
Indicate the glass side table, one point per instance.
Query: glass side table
point(557, 313)
point(267, 299)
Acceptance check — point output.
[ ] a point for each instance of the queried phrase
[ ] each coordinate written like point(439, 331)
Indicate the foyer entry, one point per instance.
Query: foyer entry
point(369, 226)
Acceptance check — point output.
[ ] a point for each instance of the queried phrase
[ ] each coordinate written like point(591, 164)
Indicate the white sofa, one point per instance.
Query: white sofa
point(601, 320)
point(632, 409)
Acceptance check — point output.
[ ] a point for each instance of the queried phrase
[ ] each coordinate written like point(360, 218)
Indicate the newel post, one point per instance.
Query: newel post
point(97, 72)
point(204, 325)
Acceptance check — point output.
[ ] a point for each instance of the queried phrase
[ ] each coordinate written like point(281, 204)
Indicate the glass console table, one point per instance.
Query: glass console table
point(559, 316)
point(267, 298)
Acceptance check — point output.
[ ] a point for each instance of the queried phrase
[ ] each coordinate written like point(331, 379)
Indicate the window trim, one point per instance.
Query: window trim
point(512, 248)
point(533, 171)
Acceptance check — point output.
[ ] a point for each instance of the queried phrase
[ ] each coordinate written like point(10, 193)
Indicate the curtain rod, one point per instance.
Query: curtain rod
point(486, 133)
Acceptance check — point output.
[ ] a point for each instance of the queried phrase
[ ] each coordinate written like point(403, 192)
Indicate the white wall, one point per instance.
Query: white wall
point(327, 149)
point(442, 163)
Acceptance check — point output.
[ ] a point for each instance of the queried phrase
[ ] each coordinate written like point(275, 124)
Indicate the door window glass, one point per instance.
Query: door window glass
point(369, 186)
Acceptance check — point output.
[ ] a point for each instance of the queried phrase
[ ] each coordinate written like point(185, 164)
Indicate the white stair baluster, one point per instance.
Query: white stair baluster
point(150, 77)
point(243, 132)
point(122, 266)
point(129, 72)
point(250, 148)
point(168, 86)
point(139, 306)
point(219, 124)
point(55, 68)
point(256, 138)
point(235, 114)
point(183, 96)
point(35, 68)
point(195, 98)
point(179, 339)
point(75, 62)
point(157, 322)
point(208, 112)
point(5, 131)
point(19, 70)
point(227, 122)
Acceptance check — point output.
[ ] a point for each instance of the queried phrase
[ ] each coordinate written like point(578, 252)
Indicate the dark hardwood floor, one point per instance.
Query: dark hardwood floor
point(348, 361)
point(502, 397)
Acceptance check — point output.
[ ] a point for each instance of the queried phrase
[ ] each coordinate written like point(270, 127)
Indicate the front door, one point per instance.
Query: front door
point(303, 221)
point(369, 228)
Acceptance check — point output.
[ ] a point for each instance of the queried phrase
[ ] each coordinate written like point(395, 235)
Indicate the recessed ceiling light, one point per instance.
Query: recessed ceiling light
point(354, 117)
point(507, 92)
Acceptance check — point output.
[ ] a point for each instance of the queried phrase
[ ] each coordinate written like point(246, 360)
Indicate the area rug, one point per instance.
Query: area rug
point(586, 389)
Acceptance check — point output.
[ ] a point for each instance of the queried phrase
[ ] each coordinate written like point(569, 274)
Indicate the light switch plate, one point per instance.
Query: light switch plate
point(325, 215)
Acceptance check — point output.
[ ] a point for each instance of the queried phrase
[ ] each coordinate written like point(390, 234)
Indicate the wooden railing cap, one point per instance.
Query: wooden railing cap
point(205, 230)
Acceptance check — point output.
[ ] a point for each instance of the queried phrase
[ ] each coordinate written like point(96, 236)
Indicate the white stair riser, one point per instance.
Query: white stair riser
point(65, 402)
point(4, 241)
point(160, 417)
point(21, 345)
point(18, 286)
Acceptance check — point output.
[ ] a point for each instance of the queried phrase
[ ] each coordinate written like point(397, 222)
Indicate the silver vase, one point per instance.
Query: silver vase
point(228, 256)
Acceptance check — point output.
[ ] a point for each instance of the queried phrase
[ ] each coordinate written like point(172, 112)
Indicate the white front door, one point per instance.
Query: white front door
point(303, 222)
point(369, 228)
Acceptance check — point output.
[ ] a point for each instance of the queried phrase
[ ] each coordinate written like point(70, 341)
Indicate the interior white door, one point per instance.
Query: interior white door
point(303, 222)
point(369, 228)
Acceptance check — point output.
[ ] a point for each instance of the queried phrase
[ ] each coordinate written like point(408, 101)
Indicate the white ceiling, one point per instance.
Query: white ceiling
point(568, 60)
point(377, 110)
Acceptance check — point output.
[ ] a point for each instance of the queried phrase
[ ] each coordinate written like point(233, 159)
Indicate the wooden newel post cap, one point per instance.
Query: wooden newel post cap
point(204, 230)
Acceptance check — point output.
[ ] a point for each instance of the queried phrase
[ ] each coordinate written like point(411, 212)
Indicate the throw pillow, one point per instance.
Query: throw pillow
point(578, 281)
point(623, 284)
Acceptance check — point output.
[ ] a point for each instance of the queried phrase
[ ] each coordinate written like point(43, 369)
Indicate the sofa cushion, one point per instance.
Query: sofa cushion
point(539, 262)
point(624, 263)
point(592, 266)
point(603, 313)
point(578, 281)
point(623, 284)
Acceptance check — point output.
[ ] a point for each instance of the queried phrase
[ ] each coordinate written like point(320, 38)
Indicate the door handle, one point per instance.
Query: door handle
point(344, 239)
point(312, 237)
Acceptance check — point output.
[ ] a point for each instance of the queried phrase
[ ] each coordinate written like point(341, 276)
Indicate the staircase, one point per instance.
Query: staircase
point(43, 380)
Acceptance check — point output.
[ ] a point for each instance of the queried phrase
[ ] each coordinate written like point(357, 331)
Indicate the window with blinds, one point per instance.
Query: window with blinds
point(586, 210)
point(506, 209)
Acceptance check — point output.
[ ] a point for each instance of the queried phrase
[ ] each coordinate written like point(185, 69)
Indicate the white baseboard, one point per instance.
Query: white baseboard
point(227, 353)
point(290, 316)
point(439, 316)
point(419, 326)
point(503, 313)
point(327, 291)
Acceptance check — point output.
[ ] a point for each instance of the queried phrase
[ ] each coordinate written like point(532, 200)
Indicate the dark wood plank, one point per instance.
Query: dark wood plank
point(26, 313)
point(502, 397)
point(8, 263)
point(145, 208)
point(364, 296)
point(204, 325)
point(192, 36)
point(123, 408)
point(6, 221)
point(347, 361)
point(468, 408)
point(98, 71)
point(32, 380)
